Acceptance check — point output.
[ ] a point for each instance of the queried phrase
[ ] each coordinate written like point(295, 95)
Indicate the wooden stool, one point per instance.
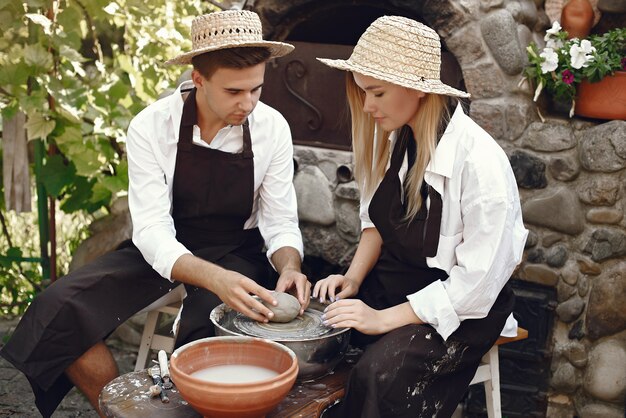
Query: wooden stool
point(168, 304)
point(489, 373)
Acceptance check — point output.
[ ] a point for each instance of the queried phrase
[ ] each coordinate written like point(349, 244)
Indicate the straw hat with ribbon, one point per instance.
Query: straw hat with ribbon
point(401, 51)
point(228, 29)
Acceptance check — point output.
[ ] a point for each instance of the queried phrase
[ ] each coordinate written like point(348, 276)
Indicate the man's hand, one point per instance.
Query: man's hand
point(231, 287)
point(287, 263)
point(234, 290)
point(293, 280)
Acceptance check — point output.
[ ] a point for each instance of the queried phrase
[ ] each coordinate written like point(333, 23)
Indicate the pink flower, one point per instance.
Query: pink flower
point(567, 77)
point(624, 63)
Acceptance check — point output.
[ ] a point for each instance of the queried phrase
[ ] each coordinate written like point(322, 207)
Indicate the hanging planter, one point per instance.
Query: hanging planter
point(605, 99)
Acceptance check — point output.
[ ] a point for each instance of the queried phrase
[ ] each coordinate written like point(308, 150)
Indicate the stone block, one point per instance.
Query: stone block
point(571, 309)
point(467, 45)
point(558, 209)
point(603, 148)
point(529, 171)
point(599, 190)
point(606, 313)
point(565, 378)
point(500, 33)
point(606, 243)
point(564, 167)
point(538, 273)
point(604, 215)
point(315, 199)
point(483, 80)
point(605, 376)
point(597, 410)
point(552, 135)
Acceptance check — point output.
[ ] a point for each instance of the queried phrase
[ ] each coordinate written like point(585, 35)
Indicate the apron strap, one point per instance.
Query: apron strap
point(189, 118)
point(247, 141)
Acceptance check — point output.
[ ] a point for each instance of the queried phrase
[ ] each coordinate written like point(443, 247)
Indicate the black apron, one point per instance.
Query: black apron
point(213, 193)
point(411, 371)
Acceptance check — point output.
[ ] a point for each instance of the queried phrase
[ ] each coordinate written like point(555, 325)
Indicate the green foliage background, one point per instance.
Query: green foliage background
point(80, 70)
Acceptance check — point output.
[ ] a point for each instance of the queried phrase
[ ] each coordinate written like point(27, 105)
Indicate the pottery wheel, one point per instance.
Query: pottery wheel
point(308, 325)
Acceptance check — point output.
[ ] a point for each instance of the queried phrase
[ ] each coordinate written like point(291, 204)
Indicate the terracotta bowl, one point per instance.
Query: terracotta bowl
point(213, 399)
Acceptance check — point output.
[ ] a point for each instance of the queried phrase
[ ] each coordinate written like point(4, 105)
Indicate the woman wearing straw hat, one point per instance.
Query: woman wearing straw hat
point(442, 231)
point(210, 171)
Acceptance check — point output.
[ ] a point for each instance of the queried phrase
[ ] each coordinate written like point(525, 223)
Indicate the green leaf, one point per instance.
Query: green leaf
point(118, 91)
point(38, 126)
point(78, 196)
point(36, 3)
point(56, 175)
point(100, 196)
point(36, 56)
point(86, 160)
point(14, 74)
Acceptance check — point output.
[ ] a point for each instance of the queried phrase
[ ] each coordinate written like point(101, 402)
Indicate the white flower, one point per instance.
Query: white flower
point(556, 27)
point(586, 46)
point(581, 54)
point(551, 60)
point(554, 43)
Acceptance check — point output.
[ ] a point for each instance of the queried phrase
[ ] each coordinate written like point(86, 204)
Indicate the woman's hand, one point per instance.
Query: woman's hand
point(328, 287)
point(354, 313)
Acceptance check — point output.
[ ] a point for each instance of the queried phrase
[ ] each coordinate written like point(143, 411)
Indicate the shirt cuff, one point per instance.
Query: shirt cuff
point(432, 305)
point(285, 240)
point(366, 224)
point(510, 327)
point(164, 262)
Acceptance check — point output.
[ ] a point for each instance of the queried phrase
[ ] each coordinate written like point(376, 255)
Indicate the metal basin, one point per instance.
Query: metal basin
point(317, 356)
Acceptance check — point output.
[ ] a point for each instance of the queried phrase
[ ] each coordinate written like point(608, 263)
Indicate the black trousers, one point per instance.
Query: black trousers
point(84, 307)
point(412, 372)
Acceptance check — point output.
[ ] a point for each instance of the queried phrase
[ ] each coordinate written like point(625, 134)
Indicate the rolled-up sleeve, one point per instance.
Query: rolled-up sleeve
point(485, 258)
point(149, 201)
point(278, 210)
point(484, 244)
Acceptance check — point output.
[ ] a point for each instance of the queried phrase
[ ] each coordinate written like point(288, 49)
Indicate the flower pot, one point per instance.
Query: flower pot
point(605, 99)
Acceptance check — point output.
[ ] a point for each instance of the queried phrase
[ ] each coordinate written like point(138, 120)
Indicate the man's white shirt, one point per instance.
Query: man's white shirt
point(152, 147)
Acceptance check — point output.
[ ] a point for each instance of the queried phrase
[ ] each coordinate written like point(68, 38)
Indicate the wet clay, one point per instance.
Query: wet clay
point(287, 308)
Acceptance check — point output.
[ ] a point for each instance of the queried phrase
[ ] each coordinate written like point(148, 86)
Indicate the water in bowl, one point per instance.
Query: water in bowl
point(234, 373)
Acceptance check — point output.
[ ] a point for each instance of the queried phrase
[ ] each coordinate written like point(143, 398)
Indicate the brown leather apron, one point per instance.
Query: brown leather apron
point(212, 198)
point(411, 371)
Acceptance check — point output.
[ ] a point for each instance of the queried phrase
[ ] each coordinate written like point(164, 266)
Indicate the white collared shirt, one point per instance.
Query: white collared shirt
point(152, 146)
point(482, 235)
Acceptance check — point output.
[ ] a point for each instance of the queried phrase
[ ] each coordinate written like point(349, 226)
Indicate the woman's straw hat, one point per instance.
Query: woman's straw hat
point(228, 29)
point(401, 51)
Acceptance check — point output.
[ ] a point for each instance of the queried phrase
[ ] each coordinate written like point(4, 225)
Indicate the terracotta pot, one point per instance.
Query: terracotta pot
point(605, 99)
point(577, 18)
point(242, 400)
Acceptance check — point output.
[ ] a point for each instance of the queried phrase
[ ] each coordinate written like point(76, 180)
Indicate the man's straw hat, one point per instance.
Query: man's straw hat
point(401, 51)
point(228, 29)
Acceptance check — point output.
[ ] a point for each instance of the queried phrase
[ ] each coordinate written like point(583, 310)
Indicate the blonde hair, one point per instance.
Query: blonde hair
point(372, 149)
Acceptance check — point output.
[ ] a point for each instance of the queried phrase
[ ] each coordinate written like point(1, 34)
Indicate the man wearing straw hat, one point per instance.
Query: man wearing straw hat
point(426, 293)
point(210, 171)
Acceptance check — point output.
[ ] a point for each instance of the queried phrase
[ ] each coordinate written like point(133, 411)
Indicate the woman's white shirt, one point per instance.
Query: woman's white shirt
point(482, 235)
point(152, 147)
